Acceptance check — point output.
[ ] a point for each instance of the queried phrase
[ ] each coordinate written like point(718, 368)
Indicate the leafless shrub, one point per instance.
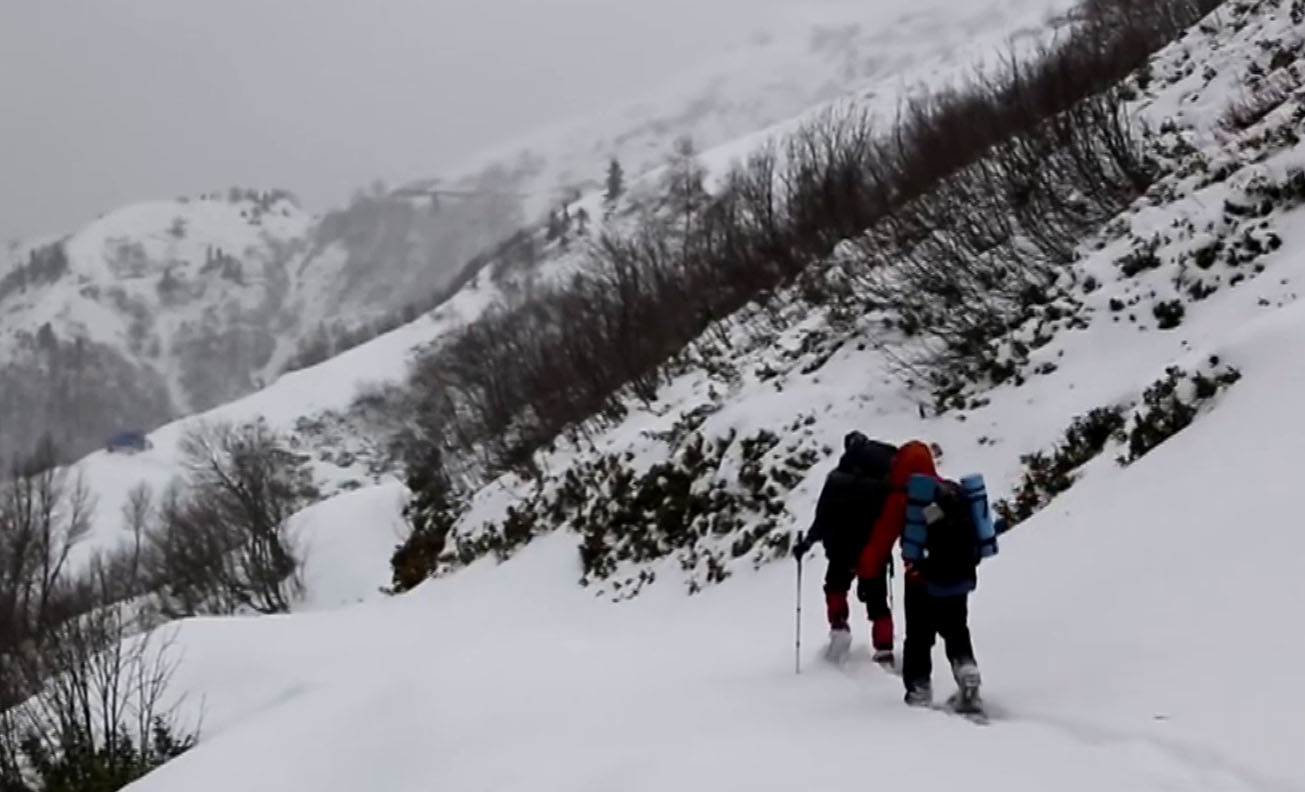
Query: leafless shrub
point(995, 236)
point(220, 543)
point(44, 510)
point(975, 196)
point(82, 680)
point(1249, 110)
point(92, 709)
point(835, 182)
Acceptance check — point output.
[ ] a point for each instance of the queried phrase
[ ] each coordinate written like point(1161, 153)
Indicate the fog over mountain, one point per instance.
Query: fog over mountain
point(153, 98)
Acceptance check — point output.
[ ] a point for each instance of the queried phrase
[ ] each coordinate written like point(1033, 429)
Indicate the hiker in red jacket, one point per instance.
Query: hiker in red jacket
point(931, 609)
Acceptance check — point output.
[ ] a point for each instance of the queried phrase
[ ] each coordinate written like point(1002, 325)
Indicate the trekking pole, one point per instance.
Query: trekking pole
point(797, 638)
point(892, 572)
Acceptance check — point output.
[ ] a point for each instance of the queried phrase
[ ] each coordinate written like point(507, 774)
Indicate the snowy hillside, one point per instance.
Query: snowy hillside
point(787, 58)
point(331, 273)
point(184, 305)
point(780, 402)
point(151, 310)
point(167, 308)
point(1129, 640)
point(1107, 628)
point(314, 406)
point(1102, 628)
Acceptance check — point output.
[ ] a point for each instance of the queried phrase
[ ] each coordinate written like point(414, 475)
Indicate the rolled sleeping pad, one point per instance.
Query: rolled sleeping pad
point(915, 532)
point(976, 492)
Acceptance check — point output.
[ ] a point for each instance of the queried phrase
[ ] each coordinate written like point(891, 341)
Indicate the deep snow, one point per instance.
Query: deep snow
point(1136, 634)
point(1132, 637)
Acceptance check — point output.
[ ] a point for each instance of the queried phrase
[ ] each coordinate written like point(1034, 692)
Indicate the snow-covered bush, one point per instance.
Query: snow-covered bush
point(430, 514)
point(1171, 403)
point(1047, 474)
point(1168, 314)
point(712, 502)
point(1167, 406)
point(97, 720)
point(1140, 259)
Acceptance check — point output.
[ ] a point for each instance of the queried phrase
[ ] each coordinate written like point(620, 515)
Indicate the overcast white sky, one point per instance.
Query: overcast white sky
point(105, 102)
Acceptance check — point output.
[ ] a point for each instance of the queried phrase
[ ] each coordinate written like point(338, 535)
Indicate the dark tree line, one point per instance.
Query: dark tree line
point(44, 265)
point(974, 196)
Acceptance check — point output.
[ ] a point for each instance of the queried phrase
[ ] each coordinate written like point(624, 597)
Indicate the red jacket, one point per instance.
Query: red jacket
point(912, 458)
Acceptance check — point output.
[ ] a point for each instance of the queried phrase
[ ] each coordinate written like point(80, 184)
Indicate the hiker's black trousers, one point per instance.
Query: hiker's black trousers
point(838, 580)
point(928, 616)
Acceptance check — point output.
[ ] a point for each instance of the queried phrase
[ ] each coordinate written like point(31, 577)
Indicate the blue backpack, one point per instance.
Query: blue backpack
point(948, 531)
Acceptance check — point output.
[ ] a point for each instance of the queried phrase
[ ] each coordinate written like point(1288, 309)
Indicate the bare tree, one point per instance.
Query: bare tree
point(82, 680)
point(96, 712)
point(137, 515)
point(221, 542)
point(44, 511)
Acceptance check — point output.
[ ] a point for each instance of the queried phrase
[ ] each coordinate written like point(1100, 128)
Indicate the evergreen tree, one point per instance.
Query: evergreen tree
point(615, 184)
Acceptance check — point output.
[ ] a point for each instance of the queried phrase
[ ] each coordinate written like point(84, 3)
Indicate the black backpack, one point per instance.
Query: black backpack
point(951, 548)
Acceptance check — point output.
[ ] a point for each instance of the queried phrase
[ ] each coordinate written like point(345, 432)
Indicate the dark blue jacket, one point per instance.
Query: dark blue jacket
point(851, 499)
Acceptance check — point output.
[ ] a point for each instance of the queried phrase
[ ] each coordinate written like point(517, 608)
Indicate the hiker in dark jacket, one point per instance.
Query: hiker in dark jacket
point(849, 505)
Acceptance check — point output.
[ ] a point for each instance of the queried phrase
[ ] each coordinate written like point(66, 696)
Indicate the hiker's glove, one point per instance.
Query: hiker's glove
point(800, 548)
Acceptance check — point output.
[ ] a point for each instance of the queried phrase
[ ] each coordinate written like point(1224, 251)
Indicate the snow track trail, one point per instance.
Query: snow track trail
point(1198, 759)
point(1154, 758)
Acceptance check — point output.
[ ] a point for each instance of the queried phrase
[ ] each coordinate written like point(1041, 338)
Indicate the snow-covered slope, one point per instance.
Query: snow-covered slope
point(150, 310)
point(166, 308)
point(1137, 633)
point(1137, 636)
point(301, 404)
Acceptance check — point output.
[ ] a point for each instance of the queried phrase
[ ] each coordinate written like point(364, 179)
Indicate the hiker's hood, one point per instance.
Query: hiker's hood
point(912, 458)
